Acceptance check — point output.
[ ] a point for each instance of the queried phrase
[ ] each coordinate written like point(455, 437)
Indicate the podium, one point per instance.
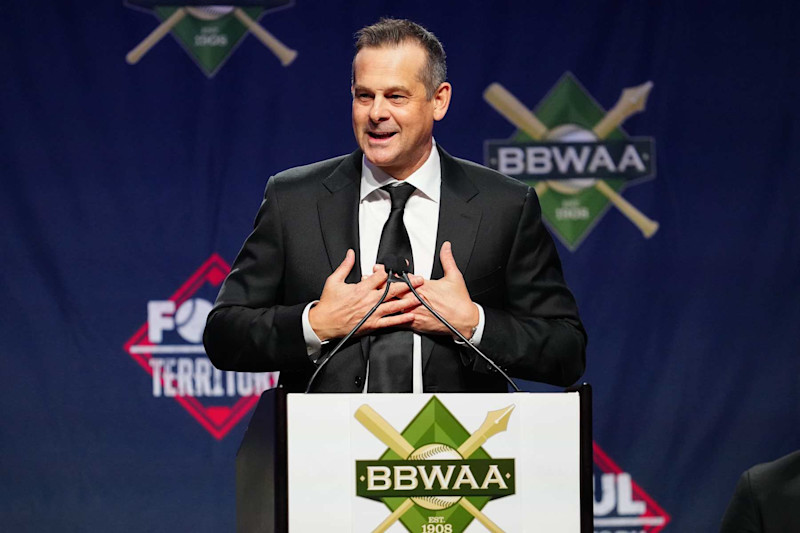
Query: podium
point(424, 463)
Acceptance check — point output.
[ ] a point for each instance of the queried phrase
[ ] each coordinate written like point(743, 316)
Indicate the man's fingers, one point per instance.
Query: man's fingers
point(409, 300)
point(416, 281)
point(400, 288)
point(344, 268)
point(375, 268)
point(425, 323)
point(389, 308)
point(393, 321)
point(376, 279)
point(397, 306)
point(448, 261)
point(397, 290)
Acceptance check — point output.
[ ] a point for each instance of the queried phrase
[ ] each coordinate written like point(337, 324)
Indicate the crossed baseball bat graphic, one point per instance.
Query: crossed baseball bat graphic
point(496, 422)
point(631, 101)
point(285, 54)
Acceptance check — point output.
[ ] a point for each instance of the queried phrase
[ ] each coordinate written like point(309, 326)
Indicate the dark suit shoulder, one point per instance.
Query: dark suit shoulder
point(776, 474)
point(492, 178)
point(306, 175)
point(495, 189)
point(766, 498)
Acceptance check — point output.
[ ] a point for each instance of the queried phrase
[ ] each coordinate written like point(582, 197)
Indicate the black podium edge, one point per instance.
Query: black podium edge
point(586, 465)
point(261, 468)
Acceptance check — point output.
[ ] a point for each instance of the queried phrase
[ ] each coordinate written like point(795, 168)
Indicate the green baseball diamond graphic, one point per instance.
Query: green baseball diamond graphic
point(210, 33)
point(209, 42)
point(435, 435)
point(577, 171)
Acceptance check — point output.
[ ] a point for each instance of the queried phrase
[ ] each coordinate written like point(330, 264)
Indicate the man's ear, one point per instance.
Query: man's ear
point(441, 100)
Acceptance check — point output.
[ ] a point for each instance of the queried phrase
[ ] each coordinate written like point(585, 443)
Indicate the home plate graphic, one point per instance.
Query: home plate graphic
point(620, 505)
point(169, 348)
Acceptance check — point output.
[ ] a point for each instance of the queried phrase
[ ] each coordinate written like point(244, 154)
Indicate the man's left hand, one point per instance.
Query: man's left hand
point(449, 297)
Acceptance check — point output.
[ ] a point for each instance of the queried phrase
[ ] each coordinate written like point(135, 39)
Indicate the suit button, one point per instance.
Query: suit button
point(359, 381)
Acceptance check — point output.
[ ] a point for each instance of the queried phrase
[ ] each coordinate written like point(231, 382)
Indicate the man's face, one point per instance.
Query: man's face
point(392, 115)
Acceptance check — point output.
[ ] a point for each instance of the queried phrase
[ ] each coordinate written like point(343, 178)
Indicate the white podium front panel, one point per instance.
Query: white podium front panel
point(433, 463)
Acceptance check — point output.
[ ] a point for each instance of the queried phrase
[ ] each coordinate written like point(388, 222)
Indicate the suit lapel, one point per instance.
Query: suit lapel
point(337, 205)
point(458, 223)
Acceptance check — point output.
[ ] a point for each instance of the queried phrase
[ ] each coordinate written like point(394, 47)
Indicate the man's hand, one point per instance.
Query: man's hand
point(450, 298)
point(342, 305)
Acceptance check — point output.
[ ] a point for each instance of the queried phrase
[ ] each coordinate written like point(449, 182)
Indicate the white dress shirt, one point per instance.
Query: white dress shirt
point(421, 218)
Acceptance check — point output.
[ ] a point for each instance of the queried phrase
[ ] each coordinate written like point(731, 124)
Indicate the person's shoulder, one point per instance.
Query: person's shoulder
point(306, 180)
point(786, 467)
point(495, 188)
point(487, 178)
point(492, 176)
point(311, 172)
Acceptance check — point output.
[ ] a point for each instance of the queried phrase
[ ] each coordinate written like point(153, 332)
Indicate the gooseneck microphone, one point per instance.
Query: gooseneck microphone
point(397, 266)
point(393, 265)
point(403, 271)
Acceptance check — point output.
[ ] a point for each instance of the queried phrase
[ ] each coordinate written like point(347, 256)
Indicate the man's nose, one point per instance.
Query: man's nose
point(379, 111)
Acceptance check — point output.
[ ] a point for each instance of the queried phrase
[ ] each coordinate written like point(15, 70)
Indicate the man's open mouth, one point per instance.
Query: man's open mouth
point(380, 135)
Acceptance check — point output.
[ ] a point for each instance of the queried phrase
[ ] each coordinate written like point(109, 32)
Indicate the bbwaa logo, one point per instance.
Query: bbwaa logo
point(575, 154)
point(169, 348)
point(210, 33)
point(448, 481)
point(620, 505)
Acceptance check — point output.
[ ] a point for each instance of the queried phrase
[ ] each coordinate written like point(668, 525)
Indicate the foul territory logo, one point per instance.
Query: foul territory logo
point(620, 505)
point(575, 154)
point(210, 33)
point(435, 477)
point(168, 347)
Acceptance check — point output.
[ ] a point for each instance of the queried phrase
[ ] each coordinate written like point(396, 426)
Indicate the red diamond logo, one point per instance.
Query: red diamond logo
point(621, 504)
point(217, 400)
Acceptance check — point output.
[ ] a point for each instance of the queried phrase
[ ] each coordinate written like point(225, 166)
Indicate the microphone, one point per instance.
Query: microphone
point(393, 265)
point(404, 277)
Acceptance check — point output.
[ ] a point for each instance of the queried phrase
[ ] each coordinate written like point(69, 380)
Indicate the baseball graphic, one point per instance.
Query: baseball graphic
point(209, 12)
point(190, 319)
point(571, 133)
point(432, 452)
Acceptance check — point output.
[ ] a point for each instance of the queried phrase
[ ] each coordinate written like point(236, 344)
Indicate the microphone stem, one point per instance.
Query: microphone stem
point(347, 337)
point(456, 332)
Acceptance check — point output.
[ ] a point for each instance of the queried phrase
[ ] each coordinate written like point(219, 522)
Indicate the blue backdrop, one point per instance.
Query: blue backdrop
point(127, 187)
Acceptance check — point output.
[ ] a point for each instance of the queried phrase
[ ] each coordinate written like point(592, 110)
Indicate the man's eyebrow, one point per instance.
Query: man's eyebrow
point(393, 89)
point(397, 89)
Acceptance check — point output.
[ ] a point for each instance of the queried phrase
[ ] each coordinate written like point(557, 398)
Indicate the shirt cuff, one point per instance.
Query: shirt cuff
point(313, 344)
point(477, 334)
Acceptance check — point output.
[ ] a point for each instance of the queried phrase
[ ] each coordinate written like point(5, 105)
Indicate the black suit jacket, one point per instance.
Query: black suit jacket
point(767, 499)
point(308, 220)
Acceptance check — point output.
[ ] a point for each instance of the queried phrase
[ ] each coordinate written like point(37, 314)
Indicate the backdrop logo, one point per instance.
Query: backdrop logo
point(169, 348)
point(435, 477)
point(210, 33)
point(620, 505)
point(575, 154)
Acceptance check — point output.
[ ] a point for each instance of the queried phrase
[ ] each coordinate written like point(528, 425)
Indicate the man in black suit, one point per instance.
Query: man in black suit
point(308, 273)
point(767, 499)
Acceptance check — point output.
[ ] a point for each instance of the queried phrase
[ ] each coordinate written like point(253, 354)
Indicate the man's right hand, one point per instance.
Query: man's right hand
point(342, 305)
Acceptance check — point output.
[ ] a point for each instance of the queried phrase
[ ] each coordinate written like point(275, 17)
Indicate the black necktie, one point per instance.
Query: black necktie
point(390, 354)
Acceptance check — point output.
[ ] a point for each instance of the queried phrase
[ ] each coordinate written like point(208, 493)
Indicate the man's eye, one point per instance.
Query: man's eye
point(396, 97)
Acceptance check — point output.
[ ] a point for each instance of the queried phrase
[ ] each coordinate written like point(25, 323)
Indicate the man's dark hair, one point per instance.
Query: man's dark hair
point(394, 32)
